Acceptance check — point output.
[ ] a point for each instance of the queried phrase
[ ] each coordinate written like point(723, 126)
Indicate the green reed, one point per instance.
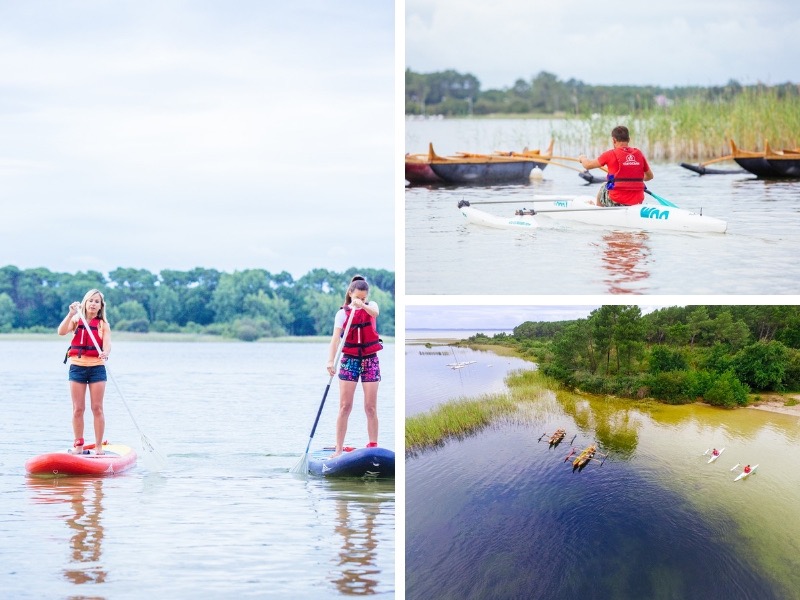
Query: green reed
point(698, 128)
point(459, 418)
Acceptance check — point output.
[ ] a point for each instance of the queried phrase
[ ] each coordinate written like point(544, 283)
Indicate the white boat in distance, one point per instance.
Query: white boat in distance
point(648, 216)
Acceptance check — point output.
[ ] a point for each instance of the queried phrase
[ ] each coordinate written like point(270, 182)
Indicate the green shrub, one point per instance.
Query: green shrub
point(727, 391)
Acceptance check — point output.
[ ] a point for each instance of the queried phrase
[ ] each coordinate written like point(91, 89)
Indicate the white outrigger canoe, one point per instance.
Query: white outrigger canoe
point(742, 475)
point(714, 456)
point(648, 216)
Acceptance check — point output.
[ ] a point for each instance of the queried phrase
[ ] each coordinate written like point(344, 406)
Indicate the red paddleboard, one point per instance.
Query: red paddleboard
point(117, 458)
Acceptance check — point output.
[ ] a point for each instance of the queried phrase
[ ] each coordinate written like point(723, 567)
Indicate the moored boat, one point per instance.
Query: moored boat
point(419, 172)
point(582, 209)
point(116, 458)
point(784, 162)
point(768, 164)
point(473, 169)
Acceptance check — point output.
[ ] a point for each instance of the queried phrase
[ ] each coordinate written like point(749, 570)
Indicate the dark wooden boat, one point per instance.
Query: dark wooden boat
point(474, 169)
point(768, 164)
point(418, 170)
point(784, 162)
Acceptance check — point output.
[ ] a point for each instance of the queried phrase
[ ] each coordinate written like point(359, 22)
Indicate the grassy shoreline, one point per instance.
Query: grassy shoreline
point(462, 417)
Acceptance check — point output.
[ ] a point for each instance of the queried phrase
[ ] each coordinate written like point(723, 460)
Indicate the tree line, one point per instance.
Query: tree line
point(718, 354)
point(246, 305)
point(451, 93)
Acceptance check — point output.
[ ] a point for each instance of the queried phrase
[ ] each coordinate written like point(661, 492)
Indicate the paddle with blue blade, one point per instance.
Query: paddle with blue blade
point(662, 201)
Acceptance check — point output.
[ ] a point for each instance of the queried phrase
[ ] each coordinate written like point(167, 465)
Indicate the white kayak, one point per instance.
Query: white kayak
point(648, 216)
point(742, 475)
point(716, 456)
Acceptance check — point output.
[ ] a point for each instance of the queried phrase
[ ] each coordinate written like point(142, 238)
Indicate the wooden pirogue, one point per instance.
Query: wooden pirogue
point(474, 169)
point(585, 457)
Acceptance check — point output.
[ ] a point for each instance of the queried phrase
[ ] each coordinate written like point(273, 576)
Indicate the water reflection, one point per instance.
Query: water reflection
point(358, 522)
point(84, 500)
point(625, 256)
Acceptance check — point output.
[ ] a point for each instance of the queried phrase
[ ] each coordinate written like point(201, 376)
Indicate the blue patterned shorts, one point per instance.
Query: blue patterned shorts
point(368, 368)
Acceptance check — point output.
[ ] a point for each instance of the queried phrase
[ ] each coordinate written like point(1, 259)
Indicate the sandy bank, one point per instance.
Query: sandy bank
point(777, 403)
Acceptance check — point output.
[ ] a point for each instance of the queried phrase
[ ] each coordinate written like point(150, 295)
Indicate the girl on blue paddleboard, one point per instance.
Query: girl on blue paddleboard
point(87, 368)
point(359, 359)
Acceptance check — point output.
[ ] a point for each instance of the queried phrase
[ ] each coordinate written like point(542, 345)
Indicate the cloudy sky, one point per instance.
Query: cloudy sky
point(441, 313)
point(488, 317)
point(666, 43)
point(227, 135)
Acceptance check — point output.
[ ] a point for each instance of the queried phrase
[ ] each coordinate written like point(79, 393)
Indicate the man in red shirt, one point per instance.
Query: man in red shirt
point(627, 171)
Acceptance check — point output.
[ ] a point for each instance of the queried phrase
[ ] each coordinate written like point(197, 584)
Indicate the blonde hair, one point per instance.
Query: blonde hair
point(101, 314)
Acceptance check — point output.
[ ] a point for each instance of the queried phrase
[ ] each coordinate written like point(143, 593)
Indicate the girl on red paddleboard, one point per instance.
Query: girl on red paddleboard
point(87, 365)
point(359, 359)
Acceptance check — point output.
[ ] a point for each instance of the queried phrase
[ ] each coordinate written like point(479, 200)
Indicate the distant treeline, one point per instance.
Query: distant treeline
point(451, 93)
point(718, 354)
point(247, 305)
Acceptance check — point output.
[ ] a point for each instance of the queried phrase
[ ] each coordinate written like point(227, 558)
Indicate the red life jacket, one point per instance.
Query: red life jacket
point(362, 338)
point(81, 344)
point(630, 176)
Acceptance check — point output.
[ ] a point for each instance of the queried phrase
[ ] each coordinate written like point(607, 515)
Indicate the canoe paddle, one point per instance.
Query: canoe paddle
point(302, 466)
point(149, 449)
point(662, 201)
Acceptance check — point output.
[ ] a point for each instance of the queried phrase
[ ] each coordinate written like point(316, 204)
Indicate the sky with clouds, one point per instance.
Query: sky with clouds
point(665, 43)
point(489, 317)
point(173, 135)
point(444, 316)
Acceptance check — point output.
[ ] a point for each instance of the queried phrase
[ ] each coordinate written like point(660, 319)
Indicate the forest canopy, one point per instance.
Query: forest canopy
point(451, 93)
point(679, 354)
point(246, 305)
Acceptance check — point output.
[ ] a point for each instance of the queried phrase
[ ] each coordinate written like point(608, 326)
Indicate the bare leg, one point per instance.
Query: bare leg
point(96, 393)
point(347, 389)
point(78, 392)
point(371, 408)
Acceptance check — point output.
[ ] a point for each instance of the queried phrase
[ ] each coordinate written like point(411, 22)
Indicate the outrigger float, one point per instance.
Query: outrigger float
point(557, 437)
point(648, 216)
point(585, 457)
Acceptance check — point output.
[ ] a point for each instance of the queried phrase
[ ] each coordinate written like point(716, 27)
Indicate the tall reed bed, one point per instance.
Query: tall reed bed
point(695, 128)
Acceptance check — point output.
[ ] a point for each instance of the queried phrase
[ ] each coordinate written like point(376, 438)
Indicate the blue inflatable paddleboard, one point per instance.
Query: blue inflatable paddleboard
point(372, 463)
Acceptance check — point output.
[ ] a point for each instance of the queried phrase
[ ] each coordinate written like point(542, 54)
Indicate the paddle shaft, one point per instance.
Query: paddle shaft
point(328, 387)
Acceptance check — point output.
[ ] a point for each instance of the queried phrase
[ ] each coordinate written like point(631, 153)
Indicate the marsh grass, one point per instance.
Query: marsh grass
point(699, 129)
point(460, 418)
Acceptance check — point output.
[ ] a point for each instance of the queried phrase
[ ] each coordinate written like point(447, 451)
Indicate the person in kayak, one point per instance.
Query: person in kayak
point(359, 359)
point(627, 167)
point(747, 469)
point(87, 366)
point(715, 452)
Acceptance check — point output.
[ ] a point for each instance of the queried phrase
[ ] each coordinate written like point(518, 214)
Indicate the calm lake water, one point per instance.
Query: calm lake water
point(486, 375)
point(500, 515)
point(225, 517)
point(444, 255)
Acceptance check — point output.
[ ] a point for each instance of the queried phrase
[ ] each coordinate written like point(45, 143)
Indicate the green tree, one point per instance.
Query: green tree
point(7, 313)
point(762, 365)
point(274, 311)
point(663, 359)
